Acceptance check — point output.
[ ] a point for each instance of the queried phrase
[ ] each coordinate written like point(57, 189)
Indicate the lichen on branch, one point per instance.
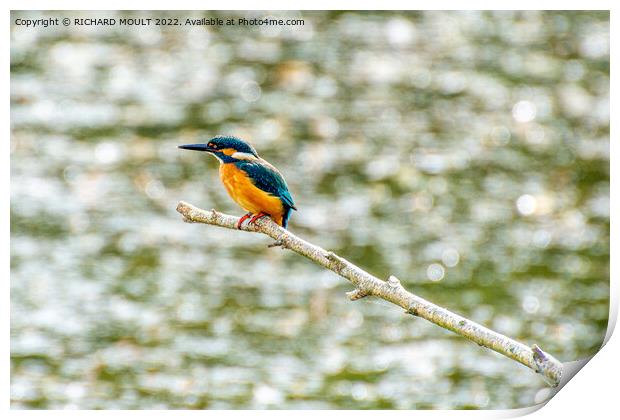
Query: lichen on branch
point(390, 290)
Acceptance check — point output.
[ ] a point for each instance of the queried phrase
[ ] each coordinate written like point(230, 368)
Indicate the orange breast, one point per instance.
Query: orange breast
point(247, 195)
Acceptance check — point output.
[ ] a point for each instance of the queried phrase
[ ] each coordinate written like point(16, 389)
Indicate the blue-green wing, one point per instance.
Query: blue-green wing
point(268, 179)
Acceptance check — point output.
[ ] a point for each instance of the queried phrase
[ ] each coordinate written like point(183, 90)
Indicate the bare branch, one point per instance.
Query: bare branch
point(390, 290)
point(356, 294)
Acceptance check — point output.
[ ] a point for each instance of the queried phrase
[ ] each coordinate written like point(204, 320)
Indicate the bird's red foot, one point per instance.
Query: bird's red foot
point(243, 219)
point(258, 216)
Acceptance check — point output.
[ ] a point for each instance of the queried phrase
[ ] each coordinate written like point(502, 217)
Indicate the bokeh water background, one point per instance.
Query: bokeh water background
point(466, 153)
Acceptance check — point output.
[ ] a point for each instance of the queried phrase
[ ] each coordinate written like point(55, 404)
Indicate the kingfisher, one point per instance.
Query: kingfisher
point(252, 182)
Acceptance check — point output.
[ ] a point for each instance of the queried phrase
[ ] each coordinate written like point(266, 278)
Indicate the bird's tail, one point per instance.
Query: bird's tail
point(287, 215)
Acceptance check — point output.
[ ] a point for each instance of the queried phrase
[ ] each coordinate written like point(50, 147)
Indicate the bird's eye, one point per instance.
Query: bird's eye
point(212, 145)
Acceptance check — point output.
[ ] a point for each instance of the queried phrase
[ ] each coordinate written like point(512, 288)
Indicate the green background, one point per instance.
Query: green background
point(466, 153)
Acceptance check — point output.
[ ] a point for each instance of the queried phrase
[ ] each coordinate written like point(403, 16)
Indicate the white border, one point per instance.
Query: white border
point(593, 392)
point(314, 5)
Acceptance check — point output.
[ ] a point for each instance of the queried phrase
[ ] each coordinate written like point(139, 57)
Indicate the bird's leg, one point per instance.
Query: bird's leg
point(258, 216)
point(243, 219)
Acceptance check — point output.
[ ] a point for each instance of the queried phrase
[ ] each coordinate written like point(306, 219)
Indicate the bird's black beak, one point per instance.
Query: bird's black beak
point(198, 147)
